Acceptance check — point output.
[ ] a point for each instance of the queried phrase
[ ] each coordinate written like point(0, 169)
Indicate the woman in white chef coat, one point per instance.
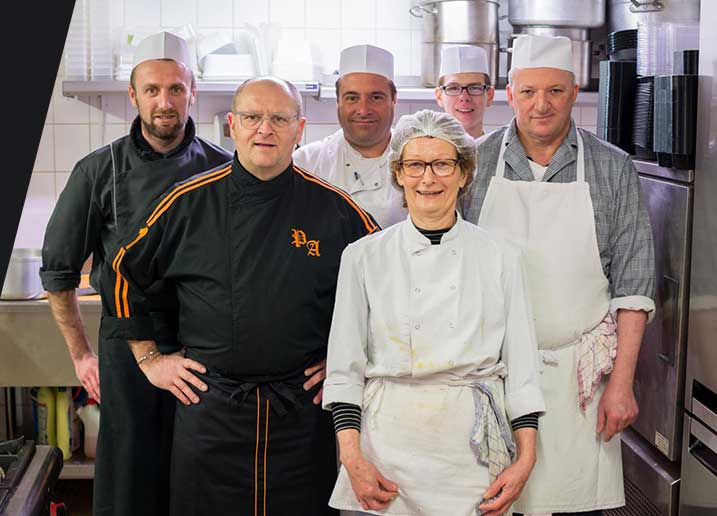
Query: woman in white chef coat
point(432, 353)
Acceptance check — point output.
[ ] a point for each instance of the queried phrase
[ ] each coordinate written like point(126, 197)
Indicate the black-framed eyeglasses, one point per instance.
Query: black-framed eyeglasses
point(474, 90)
point(254, 119)
point(440, 167)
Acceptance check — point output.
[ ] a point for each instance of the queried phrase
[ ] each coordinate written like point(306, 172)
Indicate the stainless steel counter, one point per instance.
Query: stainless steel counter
point(32, 350)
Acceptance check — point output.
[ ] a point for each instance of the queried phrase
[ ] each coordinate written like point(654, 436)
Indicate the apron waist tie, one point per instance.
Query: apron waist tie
point(279, 395)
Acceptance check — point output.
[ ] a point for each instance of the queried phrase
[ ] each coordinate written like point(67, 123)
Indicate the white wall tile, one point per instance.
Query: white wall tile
point(114, 108)
point(498, 114)
point(70, 110)
point(588, 115)
point(351, 37)
point(251, 11)
point(416, 49)
point(393, 14)
point(45, 157)
point(325, 48)
point(142, 13)
point(175, 13)
point(323, 14)
point(215, 13)
point(398, 42)
point(290, 13)
point(210, 105)
point(72, 142)
point(206, 131)
point(358, 15)
point(315, 132)
point(39, 203)
point(320, 111)
point(61, 179)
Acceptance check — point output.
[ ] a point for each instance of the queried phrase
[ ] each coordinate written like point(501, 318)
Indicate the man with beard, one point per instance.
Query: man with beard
point(106, 190)
point(464, 89)
point(355, 158)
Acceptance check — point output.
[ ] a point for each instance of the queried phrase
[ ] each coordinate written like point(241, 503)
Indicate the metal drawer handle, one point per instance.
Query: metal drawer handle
point(701, 448)
point(669, 356)
point(650, 6)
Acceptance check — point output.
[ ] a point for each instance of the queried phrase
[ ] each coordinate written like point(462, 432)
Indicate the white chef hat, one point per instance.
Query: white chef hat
point(366, 59)
point(163, 45)
point(463, 59)
point(531, 51)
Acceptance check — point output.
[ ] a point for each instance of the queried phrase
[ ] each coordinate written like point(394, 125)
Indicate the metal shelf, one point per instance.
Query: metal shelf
point(113, 87)
point(78, 467)
point(322, 91)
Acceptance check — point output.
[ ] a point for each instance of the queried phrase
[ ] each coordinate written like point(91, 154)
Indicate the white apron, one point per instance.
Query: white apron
point(554, 224)
point(403, 419)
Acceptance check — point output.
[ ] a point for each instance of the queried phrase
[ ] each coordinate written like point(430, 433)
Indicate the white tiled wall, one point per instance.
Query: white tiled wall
point(75, 126)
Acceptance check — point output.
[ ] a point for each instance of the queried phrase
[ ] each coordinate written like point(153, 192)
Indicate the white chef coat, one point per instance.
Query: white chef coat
point(367, 180)
point(424, 322)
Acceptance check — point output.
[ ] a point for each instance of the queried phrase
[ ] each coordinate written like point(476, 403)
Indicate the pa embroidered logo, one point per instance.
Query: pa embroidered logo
point(298, 239)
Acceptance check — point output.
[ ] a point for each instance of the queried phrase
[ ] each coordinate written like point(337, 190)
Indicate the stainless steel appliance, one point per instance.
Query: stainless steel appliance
point(651, 447)
point(659, 378)
point(698, 496)
point(27, 475)
point(456, 22)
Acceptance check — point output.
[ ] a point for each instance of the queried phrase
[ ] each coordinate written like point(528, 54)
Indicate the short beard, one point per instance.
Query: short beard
point(163, 133)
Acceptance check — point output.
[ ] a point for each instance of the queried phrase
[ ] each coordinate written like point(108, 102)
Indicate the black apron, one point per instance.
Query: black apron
point(261, 449)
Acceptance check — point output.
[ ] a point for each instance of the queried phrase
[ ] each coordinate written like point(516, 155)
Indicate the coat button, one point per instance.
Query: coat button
point(453, 287)
point(453, 252)
point(418, 326)
point(451, 363)
point(451, 325)
point(417, 290)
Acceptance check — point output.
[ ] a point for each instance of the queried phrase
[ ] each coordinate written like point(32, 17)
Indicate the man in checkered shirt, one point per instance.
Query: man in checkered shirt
point(573, 203)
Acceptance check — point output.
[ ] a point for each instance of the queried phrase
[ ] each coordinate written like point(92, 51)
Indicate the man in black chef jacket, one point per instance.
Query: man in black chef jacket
point(105, 192)
point(252, 249)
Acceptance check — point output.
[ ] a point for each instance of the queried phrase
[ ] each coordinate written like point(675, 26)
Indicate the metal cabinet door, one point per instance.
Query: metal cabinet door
point(659, 378)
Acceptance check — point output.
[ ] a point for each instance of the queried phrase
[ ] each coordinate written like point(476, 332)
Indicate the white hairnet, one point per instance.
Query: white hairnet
point(434, 124)
point(431, 124)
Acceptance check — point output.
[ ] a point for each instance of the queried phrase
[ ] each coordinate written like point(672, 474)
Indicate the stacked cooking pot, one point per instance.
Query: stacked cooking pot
point(447, 23)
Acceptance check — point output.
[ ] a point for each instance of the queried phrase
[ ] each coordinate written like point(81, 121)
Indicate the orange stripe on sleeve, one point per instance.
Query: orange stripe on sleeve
point(121, 284)
point(370, 226)
point(183, 188)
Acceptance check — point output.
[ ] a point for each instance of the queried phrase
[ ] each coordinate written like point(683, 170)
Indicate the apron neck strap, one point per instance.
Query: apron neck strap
point(500, 167)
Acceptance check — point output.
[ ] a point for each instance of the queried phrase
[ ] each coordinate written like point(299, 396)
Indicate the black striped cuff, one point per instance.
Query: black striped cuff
point(346, 415)
point(526, 421)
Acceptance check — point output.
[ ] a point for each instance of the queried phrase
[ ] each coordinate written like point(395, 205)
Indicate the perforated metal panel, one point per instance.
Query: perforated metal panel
point(637, 504)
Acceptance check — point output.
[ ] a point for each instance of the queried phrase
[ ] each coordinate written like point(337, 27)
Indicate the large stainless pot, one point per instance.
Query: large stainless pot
point(583, 14)
point(22, 280)
point(582, 49)
point(625, 14)
point(456, 22)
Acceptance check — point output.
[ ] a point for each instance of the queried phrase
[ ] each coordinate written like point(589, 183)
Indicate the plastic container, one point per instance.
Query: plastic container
point(63, 404)
point(46, 416)
point(90, 416)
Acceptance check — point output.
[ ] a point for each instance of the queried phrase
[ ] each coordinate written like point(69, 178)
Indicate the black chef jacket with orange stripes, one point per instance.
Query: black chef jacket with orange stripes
point(254, 264)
